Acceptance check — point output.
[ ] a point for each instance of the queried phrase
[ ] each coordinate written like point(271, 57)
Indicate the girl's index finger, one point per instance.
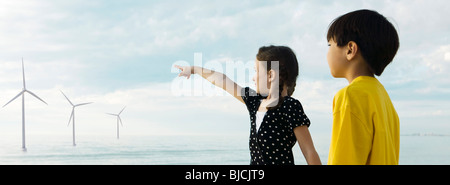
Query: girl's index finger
point(177, 66)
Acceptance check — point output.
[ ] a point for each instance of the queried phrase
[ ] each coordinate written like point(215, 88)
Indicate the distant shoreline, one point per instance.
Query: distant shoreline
point(424, 134)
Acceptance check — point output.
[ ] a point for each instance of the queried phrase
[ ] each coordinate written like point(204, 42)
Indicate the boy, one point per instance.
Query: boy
point(365, 124)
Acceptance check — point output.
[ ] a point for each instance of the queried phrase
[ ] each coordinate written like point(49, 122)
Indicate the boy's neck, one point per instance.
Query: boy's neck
point(353, 76)
point(359, 68)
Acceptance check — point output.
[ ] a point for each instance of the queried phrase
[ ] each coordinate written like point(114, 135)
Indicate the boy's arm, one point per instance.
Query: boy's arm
point(306, 145)
point(216, 78)
point(351, 140)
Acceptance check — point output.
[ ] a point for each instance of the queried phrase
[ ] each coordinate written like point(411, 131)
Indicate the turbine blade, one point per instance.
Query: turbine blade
point(67, 98)
point(21, 92)
point(122, 110)
point(111, 114)
point(82, 104)
point(36, 96)
point(23, 75)
point(120, 120)
point(71, 115)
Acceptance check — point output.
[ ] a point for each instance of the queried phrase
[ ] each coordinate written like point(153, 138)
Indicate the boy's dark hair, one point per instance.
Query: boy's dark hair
point(287, 66)
point(375, 36)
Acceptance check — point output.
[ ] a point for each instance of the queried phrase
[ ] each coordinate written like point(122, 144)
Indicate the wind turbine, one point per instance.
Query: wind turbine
point(72, 116)
point(118, 120)
point(24, 90)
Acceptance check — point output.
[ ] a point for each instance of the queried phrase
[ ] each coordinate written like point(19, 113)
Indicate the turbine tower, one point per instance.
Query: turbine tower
point(118, 120)
point(72, 116)
point(24, 90)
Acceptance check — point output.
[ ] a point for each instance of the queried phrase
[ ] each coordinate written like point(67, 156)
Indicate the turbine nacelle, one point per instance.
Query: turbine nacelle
point(22, 93)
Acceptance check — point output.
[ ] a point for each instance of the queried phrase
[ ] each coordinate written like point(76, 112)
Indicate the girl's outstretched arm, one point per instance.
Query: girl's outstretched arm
point(306, 145)
point(216, 78)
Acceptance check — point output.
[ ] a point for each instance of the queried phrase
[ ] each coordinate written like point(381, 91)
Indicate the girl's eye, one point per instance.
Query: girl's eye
point(329, 45)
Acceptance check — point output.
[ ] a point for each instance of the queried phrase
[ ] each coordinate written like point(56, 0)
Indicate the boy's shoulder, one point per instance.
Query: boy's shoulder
point(361, 91)
point(361, 87)
point(362, 84)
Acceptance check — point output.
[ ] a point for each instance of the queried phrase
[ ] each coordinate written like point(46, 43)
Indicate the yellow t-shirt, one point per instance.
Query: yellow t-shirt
point(366, 127)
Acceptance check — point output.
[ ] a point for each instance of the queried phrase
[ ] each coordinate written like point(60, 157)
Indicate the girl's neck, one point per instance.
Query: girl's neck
point(275, 95)
point(272, 99)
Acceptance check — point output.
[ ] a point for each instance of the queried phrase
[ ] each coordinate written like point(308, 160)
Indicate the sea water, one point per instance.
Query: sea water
point(183, 150)
point(128, 150)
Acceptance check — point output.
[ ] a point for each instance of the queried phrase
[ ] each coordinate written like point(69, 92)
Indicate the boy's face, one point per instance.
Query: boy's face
point(337, 59)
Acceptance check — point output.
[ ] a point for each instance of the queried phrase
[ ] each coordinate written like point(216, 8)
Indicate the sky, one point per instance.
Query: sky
point(120, 53)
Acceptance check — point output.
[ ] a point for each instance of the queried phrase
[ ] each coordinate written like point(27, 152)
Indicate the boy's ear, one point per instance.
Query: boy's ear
point(352, 49)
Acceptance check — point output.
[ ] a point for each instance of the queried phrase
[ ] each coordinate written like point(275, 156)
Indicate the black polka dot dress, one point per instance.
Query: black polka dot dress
point(272, 143)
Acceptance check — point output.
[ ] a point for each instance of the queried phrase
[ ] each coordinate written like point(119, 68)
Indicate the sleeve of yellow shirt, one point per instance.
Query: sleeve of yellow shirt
point(351, 138)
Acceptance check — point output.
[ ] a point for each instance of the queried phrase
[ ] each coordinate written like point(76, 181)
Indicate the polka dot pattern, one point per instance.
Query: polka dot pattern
point(272, 143)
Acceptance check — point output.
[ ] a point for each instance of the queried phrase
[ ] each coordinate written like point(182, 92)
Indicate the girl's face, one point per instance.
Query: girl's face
point(337, 60)
point(261, 79)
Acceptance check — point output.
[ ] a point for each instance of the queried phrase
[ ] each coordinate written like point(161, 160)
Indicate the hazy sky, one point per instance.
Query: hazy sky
point(120, 53)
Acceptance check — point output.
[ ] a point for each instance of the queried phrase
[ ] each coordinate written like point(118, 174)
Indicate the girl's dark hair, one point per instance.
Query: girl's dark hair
point(375, 36)
point(287, 65)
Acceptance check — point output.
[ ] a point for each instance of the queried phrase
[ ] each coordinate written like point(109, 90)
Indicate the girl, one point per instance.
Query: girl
point(277, 119)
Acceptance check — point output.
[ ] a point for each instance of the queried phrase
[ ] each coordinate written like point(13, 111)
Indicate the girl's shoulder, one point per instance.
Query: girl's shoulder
point(250, 98)
point(293, 112)
point(290, 104)
point(288, 100)
point(248, 92)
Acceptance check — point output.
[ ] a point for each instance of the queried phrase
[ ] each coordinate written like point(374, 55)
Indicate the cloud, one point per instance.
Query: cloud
point(24, 27)
point(39, 74)
point(117, 53)
point(438, 61)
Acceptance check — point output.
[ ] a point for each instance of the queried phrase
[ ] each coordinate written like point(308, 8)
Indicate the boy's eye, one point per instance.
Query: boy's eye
point(329, 44)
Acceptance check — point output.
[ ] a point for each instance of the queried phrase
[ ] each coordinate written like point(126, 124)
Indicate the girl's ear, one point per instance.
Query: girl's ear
point(352, 49)
point(271, 75)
